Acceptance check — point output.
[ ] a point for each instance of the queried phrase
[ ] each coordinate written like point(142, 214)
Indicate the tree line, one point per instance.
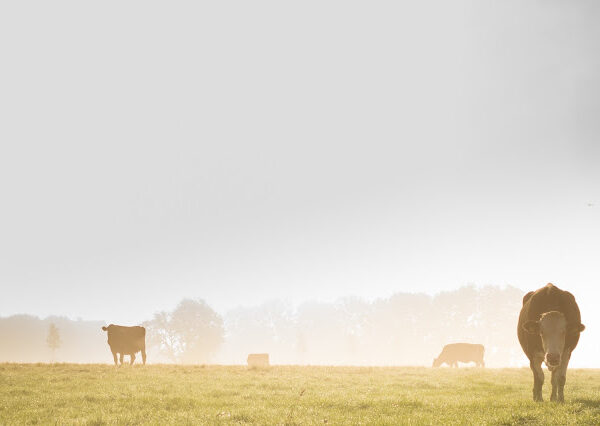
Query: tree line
point(404, 329)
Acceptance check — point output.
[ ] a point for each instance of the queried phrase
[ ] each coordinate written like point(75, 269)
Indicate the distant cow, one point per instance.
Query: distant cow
point(548, 330)
point(126, 341)
point(463, 352)
point(258, 360)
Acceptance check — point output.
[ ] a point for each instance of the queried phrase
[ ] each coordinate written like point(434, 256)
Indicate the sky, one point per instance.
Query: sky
point(245, 151)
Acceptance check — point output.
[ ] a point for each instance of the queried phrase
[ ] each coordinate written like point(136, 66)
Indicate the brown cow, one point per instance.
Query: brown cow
point(463, 352)
point(258, 360)
point(548, 330)
point(126, 341)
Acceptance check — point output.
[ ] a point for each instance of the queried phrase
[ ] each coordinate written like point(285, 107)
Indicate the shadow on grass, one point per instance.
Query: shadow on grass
point(519, 419)
point(588, 403)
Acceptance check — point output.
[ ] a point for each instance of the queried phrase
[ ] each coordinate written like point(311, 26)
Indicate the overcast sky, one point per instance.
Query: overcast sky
point(244, 151)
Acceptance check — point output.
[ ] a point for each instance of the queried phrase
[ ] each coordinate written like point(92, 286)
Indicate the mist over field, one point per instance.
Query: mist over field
point(320, 181)
point(404, 329)
point(292, 213)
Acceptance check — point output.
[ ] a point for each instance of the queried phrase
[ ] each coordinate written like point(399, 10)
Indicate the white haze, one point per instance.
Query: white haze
point(241, 152)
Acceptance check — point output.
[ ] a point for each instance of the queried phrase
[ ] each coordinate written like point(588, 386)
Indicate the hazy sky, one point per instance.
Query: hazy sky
point(244, 151)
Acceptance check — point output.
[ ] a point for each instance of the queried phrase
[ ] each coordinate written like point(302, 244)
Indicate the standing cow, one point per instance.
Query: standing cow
point(548, 330)
point(126, 341)
point(463, 352)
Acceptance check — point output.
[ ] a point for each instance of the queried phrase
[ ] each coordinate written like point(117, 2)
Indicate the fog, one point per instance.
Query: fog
point(404, 329)
point(292, 160)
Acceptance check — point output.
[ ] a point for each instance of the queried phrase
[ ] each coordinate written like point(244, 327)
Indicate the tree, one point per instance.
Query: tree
point(268, 327)
point(53, 339)
point(191, 333)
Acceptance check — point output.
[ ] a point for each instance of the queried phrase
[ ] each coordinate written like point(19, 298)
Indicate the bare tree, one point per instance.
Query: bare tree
point(53, 340)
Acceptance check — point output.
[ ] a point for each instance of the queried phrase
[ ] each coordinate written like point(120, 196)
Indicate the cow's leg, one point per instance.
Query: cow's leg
point(131, 359)
point(122, 355)
point(115, 358)
point(144, 355)
point(554, 381)
point(538, 378)
point(559, 378)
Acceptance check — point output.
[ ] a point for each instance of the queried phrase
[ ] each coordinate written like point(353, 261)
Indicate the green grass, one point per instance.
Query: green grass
point(164, 394)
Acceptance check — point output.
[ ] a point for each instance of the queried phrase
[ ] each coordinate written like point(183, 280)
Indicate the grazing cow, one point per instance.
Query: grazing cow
point(463, 352)
point(548, 330)
point(126, 341)
point(258, 360)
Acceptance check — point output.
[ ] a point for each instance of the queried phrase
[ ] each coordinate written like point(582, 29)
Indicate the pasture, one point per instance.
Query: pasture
point(168, 394)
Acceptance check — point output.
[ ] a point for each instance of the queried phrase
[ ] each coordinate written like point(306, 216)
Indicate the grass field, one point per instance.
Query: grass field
point(164, 394)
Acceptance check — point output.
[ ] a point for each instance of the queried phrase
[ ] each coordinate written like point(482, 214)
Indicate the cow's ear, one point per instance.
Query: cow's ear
point(576, 328)
point(532, 327)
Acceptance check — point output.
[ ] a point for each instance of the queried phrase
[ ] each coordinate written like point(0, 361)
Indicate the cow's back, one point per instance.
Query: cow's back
point(546, 299)
point(126, 340)
point(258, 360)
point(463, 352)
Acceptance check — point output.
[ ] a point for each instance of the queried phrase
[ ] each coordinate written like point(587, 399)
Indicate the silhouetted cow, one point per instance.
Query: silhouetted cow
point(548, 330)
point(463, 352)
point(258, 360)
point(126, 341)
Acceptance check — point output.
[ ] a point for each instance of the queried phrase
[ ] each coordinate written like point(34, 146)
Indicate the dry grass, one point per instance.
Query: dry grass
point(163, 394)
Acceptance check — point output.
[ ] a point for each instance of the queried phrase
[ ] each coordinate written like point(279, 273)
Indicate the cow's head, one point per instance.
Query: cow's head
point(553, 329)
point(437, 362)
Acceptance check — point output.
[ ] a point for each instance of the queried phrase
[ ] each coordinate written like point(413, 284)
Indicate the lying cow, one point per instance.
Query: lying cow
point(258, 360)
point(126, 341)
point(548, 330)
point(463, 352)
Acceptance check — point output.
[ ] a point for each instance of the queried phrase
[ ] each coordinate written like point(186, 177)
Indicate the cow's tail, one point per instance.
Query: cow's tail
point(104, 328)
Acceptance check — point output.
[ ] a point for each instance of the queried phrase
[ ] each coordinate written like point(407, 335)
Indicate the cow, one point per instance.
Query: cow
point(258, 360)
point(464, 352)
point(548, 330)
point(126, 341)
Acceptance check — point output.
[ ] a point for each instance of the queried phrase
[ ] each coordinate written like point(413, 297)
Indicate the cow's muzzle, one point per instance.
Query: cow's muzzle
point(552, 360)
